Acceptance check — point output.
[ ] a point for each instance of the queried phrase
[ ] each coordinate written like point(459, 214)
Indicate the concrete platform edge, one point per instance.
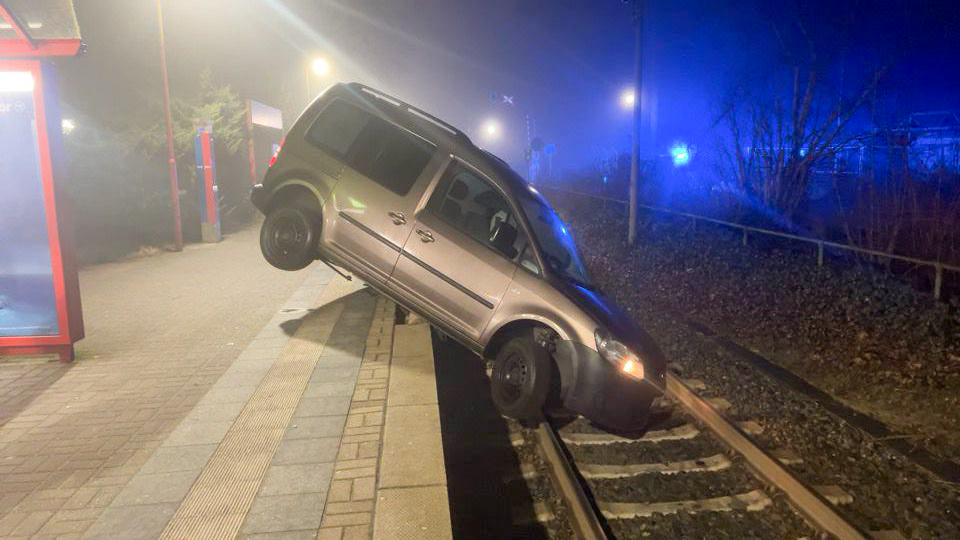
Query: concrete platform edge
point(412, 499)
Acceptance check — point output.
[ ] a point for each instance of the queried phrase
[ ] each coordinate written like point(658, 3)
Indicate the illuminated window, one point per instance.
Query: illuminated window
point(16, 81)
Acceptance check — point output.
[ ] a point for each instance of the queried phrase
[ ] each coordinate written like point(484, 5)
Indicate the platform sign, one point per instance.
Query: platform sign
point(264, 132)
point(39, 293)
point(206, 164)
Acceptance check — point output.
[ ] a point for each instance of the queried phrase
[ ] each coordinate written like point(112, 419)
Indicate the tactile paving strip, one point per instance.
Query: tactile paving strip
point(348, 512)
point(220, 498)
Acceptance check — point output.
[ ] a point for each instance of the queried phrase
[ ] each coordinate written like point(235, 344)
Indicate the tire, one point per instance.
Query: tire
point(520, 380)
point(289, 236)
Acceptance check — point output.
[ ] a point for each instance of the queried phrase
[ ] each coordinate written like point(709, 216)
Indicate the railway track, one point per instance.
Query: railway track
point(695, 472)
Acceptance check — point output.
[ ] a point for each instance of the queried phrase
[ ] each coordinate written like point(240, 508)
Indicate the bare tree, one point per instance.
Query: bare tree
point(778, 134)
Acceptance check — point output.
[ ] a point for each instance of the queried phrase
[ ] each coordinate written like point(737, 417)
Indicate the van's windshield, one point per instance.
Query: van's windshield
point(554, 238)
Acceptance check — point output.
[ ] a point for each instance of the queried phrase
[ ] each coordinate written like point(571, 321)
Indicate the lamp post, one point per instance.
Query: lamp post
point(171, 153)
point(491, 130)
point(637, 105)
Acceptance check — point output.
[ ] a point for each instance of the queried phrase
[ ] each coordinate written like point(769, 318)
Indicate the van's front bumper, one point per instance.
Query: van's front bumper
point(593, 387)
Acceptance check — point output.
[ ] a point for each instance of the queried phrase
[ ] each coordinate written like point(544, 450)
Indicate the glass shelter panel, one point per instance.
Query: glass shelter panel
point(27, 298)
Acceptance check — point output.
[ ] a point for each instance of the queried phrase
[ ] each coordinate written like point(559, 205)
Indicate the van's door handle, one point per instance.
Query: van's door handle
point(398, 218)
point(425, 236)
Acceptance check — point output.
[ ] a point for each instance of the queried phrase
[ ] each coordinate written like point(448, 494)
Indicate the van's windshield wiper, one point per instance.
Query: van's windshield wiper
point(554, 263)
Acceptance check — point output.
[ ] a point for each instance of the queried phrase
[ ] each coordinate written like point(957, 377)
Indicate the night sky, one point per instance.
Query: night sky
point(564, 62)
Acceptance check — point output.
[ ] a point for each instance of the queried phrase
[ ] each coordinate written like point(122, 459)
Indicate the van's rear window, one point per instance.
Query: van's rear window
point(390, 156)
point(337, 127)
point(381, 151)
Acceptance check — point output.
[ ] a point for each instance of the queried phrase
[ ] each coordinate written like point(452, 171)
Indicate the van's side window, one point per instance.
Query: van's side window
point(389, 155)
point(337, 127)
point(528, 261)
point(471, 204)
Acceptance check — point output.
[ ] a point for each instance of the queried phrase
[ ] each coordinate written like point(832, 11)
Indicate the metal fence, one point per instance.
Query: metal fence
point(938, 267)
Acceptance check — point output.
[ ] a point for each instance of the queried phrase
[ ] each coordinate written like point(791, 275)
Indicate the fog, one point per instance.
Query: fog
point(564, 63)
point(549, 70)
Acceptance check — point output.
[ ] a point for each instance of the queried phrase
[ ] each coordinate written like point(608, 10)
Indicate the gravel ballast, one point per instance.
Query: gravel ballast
point(864, 337)
point(778, 520)
point(771, 523)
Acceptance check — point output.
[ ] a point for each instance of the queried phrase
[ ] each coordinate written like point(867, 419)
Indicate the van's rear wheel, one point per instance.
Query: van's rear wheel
point(289, 235)
point(521, 379)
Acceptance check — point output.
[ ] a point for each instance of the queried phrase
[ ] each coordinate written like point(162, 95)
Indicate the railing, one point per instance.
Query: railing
point(938, 267)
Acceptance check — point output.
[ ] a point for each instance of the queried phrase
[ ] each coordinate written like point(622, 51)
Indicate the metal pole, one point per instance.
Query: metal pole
point(526, 118)
point(171, 153)
point(637, 107)
point(937, 280)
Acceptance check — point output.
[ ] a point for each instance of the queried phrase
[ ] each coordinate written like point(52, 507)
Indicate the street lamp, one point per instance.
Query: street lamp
point(628, 98)
point(491, 129)
point(319, 67)
point(171, 154)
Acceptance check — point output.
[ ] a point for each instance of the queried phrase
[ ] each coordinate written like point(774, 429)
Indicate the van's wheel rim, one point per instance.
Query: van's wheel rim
point(289, 235)
point(514, 376)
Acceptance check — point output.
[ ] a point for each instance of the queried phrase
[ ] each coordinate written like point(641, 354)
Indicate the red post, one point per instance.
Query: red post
point(206, 154)
point(171, 154)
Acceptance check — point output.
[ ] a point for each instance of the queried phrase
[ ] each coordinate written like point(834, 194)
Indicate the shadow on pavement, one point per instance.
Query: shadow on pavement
point(477, 451)
point(357, 308)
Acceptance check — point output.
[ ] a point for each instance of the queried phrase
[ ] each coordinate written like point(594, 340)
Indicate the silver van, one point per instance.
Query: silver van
point(410, 205)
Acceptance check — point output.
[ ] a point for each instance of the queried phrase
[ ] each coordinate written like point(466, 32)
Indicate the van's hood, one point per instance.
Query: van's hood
point(608, 315)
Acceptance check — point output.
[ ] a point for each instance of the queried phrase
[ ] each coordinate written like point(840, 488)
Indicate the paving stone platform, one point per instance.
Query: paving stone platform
point(325, 426)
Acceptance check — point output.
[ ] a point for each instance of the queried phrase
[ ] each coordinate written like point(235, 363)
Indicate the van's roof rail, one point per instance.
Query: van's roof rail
point(495, 157)
point(406, 107)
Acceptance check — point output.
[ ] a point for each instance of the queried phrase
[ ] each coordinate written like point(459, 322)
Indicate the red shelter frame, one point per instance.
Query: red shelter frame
point(25, 54)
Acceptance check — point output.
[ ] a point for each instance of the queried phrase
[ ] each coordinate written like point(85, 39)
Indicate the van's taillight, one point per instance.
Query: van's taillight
point(276, 152)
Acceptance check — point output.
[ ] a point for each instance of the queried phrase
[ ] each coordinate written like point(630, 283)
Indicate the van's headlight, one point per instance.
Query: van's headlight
point(618, 354)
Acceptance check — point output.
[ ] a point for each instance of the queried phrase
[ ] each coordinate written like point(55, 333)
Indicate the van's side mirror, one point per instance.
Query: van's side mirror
point(503, 238)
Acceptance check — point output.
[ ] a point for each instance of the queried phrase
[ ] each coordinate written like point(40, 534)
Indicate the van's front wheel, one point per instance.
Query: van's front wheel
point(288, 237)
point(521, 379)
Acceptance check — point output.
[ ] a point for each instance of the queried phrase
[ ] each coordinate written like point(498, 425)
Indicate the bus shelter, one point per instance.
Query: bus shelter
point(39, 292)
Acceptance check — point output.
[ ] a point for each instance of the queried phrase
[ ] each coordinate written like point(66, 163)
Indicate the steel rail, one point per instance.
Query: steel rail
point(583, 516)
point(937, 266)
point(804, 498)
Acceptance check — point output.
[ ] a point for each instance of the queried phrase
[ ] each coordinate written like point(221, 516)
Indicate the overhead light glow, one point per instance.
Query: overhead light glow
point(32, 26)
point(67, 126)
point(491, 129)
point(16, 81)
point(628, 98)
point(320, 66)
